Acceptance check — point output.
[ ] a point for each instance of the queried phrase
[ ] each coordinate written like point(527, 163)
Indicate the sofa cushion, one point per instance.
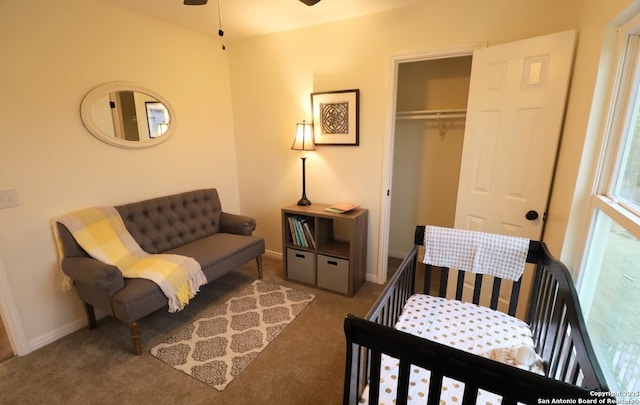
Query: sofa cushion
point(222, 252)
point(164, 223)
point(217, 254)
point(137, 299)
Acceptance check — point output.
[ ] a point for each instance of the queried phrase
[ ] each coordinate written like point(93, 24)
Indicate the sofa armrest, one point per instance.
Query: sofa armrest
point(94, 273)
point(238, 224)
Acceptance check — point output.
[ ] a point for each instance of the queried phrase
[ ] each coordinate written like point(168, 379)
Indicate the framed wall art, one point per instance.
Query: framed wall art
point(335, 117)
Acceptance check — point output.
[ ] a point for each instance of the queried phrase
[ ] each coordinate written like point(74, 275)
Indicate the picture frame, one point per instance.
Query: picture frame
point(336, 117)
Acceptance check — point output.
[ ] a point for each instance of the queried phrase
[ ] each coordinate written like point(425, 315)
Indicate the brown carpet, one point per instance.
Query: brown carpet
point(304, 365)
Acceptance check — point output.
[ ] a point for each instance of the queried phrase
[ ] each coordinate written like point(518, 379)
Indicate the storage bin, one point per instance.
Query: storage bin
point(301, 266)
point(333, 273)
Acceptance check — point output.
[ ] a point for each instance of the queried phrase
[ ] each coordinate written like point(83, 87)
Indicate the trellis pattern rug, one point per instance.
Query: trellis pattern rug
point(216, 349)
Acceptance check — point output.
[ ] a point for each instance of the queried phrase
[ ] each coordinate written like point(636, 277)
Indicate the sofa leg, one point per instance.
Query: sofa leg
point(135, 337)
point(91, 315)
point(259, 263)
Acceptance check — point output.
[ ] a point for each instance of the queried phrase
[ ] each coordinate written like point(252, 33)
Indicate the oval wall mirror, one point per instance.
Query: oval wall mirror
point(126, 115)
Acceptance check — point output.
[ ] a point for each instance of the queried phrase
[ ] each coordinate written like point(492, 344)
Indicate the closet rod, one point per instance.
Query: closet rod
point(430, 114)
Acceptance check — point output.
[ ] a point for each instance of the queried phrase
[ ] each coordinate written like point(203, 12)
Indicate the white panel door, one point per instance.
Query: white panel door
point(514, 117)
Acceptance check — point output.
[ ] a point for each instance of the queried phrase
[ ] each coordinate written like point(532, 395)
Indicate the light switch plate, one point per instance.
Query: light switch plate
point(8, 198)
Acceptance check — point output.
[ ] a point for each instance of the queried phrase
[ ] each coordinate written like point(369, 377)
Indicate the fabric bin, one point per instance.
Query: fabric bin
point(333, 274)
point(301, 266)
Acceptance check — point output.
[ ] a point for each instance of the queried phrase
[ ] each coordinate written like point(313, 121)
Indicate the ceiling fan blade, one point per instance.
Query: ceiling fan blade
point(309, 2)
point(195, 2)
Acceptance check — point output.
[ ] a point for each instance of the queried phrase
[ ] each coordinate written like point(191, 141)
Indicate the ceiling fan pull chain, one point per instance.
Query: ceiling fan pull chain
point(220, 31)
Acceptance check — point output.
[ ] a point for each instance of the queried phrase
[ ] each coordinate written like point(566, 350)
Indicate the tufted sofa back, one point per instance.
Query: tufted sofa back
point(164, 223)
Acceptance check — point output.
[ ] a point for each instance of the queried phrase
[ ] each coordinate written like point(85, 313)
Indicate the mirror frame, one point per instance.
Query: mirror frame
point(104, 89)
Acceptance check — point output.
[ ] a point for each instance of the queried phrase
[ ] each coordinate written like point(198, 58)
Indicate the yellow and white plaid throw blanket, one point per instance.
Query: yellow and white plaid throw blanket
point(103, 235)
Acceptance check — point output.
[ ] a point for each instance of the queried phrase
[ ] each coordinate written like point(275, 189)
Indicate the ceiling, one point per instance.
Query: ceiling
point(246, 18)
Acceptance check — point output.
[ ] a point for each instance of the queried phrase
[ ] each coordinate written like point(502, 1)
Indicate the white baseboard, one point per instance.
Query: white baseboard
point(9, 312)
point(373, 278)
point(273, 255)
point(56, 334)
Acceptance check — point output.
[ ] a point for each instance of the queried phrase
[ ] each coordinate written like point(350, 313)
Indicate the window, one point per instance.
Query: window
point(610, 284)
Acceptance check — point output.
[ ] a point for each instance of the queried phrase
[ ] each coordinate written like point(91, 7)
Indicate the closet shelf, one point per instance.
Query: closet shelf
point(431, 114)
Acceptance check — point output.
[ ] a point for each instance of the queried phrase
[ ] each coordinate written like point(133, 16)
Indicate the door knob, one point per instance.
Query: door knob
point(532, 215)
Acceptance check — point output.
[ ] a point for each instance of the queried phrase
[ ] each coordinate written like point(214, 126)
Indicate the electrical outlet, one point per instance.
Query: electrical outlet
point(8, 198)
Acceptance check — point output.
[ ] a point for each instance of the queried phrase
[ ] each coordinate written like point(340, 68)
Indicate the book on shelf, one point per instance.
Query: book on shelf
point(341, 208)
point(292, 231)
point(301, 231)
point(309, 234)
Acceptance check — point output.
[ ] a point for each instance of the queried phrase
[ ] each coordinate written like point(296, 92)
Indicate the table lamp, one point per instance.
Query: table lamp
point(303, 141)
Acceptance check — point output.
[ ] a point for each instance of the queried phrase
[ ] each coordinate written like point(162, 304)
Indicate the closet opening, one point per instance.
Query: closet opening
point(430, 110)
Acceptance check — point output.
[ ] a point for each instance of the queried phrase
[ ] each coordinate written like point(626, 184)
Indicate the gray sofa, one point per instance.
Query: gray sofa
point(190, 224)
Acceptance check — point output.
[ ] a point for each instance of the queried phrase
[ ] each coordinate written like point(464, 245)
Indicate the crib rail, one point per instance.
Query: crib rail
point(553, 313)
point(559, 330)
point(475, 372)
point(385, 312)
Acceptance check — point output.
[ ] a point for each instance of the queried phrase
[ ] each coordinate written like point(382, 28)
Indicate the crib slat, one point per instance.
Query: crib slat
point(470, 394)
point(444, 278)
point(573, 369)
point(515, 296)
point(435, 386)
point(551, 333)
point(477, 286)
point(562, 346)
point(362, 374)
point(543, 316)
point(374, 389)
point(402, 393)
point(351, 380)
point(395, 306)
point(411, 274)
point(495, 293)
point(460, 285)
point(534, 304)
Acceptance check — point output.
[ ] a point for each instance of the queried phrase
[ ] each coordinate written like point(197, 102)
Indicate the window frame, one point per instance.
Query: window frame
point(621, 112)
point(619, 118)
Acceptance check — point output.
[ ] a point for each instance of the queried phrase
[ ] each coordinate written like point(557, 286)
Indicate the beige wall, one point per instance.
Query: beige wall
point(272, 76)
point(584, 126)
point(53, 53)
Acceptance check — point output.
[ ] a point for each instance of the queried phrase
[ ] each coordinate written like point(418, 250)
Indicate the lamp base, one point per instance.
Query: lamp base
point(304, 201)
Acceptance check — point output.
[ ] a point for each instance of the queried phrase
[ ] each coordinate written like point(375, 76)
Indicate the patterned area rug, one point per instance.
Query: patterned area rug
point(216, 349)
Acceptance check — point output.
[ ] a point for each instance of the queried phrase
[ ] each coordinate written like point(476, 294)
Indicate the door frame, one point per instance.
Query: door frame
point(10, 317)
point(389, 140)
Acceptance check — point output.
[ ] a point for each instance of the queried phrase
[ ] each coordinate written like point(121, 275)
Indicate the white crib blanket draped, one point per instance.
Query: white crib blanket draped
point(479, 252)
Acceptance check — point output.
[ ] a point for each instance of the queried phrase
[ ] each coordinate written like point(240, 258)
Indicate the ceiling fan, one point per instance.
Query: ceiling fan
point(203, 2)
point(220, 31)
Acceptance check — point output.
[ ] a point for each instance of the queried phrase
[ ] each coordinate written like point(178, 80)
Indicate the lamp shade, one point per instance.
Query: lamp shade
point(304, 137)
